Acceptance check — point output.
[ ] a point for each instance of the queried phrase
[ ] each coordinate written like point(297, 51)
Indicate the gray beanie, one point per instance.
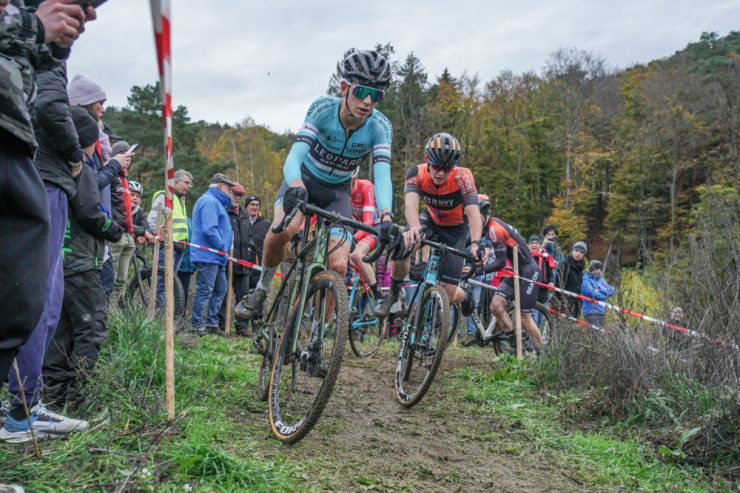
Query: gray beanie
point(82, 91)
point(595, 264)
point(119, 147)
point(579, 245)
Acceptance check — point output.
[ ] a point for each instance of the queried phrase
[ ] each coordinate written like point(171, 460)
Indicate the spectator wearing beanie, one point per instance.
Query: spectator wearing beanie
point(570, 277)
point(75, 347)
point(86, 93)
point(122, 251)
point(595, 286)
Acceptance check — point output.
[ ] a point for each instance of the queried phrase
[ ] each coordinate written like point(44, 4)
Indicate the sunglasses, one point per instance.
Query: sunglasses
point(440, 169)
point(362, 92)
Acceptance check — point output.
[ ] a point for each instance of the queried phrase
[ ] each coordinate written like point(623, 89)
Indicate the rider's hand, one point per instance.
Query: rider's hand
point(476, 251)
point(413, 234)
point(140, 240)
point(386, 230)
point(148, 237)
point(293, 195)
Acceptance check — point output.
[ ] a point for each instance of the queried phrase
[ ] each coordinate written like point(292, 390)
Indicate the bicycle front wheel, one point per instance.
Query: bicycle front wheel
point(269, 334)
point(308, 358)
point(422, 346)
point(366, 331)
point(455, 317)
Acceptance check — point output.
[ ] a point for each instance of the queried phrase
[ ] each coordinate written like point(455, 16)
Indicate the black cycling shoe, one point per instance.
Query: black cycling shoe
point(384, 307)
point(247, 308)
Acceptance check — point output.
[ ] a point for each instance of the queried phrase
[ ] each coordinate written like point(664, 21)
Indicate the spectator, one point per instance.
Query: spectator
point(383, 272)
point(211, 229)
point(570, 277)
point(550, 243)
point(595, 286)
point(123, 250)
point(32, 223)
point(86, 93)
point(142, 231)
point(75, 346)
point(257, 231)
point(187, 269)
point(675, 338)
point(183, 184)
point(240, 225)
point(547, 265)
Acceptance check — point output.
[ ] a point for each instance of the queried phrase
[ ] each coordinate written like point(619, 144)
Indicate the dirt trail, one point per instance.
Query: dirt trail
point(366, 441)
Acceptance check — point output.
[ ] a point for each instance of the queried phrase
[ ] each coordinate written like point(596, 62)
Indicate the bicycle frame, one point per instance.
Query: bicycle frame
point(353, 288)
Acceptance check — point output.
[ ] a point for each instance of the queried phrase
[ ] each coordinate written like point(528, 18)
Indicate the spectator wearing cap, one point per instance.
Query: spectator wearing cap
point(570, 277)
point(258, 227)
point(211, 229)
point(547, 265)
point(595, 286)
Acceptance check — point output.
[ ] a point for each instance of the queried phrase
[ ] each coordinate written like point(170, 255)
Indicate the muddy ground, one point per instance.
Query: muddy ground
point(365, 441)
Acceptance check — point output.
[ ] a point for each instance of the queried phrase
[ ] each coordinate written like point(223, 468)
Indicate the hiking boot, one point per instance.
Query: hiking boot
point(199, 331)
point(248, 307)
point(46, 424)
point(217, 331)
point(384, 307)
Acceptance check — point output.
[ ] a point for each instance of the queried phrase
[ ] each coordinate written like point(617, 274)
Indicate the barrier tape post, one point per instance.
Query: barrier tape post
point(152, 303)
point(517, 306)
point(162, 35)
point(229, 293)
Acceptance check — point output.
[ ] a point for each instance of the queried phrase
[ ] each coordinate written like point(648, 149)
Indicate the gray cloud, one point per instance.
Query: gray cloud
point(268, 60)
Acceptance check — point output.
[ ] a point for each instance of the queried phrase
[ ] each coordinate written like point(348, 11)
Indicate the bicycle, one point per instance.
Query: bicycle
point(137, 291)
point(366, 332)
point(425, 329)
point(311, 345)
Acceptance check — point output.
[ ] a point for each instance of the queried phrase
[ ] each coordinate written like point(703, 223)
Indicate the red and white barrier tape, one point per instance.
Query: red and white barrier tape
point(229, 258)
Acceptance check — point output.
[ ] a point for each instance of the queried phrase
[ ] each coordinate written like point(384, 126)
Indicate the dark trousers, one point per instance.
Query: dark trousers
point(185, 278)
point(75, 347)
point(241, 283)
point(24, 249)
point(177, 257)
point(31, 354)
point(107, 276)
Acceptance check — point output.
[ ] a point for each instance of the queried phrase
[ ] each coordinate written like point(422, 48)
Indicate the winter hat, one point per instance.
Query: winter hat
point(253, 198)
point(595, 264)
point(119, 147)
point(536, 238)
point(86, 126)
point(579, 245)
point(82, 91)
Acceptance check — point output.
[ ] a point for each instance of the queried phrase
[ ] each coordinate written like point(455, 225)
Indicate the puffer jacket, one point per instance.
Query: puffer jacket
point(211, 227)
point(597, 288)
point(87, 228)
point(22, 50)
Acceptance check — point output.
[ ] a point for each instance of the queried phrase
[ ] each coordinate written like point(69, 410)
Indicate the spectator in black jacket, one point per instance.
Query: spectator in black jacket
point(570, 278)
point(75, 346)
point(59, 160)
point(142, 230)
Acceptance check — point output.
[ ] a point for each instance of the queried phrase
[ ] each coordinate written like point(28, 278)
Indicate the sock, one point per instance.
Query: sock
point(265, 281)
point(375, 290)
point(18, 413)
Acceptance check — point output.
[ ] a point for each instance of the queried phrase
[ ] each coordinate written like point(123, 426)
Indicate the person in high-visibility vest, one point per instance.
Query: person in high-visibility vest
point(183, 184)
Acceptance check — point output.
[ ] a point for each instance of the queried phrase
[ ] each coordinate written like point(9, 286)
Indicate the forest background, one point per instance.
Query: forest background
point(628, 160)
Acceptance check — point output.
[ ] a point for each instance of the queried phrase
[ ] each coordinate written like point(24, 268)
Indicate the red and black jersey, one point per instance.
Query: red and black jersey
point(504, 238)
point(547, 265)
point(363, 206)
point(445, 203)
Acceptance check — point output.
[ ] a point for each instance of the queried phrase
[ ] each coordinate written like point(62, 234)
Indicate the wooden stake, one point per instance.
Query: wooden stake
point(229, 293)
point(517, 305)
point(25, 408)
point(169, 318)
point(152, 305)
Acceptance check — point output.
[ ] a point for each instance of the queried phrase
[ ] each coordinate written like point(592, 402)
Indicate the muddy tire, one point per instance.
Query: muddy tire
point(271, 330)
point(455, 320)
point(366, 331)
point(306, 366)
point(422, 346)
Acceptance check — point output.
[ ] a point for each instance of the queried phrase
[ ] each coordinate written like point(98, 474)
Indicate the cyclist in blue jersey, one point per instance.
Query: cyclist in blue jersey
point(335, 138)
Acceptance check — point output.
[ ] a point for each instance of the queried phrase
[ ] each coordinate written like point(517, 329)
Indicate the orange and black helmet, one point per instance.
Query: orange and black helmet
point(443, 150)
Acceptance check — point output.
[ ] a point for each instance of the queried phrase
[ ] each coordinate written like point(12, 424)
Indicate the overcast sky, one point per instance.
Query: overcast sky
point(270, 59)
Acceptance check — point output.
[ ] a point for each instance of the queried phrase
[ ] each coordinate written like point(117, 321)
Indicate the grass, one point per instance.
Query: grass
point(536, 423)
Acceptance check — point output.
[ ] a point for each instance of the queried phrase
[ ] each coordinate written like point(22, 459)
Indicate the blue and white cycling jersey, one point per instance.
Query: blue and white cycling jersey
point(331, 155)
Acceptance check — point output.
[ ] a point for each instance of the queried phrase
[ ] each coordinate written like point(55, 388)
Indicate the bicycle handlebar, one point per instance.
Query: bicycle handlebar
point(333, 217)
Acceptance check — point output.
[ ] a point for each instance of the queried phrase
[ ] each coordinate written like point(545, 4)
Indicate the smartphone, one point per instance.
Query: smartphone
point(132, 149)
point(92, 3)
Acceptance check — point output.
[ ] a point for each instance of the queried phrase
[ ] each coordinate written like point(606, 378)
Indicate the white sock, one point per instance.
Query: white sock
point(265, 281)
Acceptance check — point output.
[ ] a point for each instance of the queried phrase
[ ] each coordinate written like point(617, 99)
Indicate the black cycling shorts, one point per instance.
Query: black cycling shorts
point(527, 291)
point(333, 197)
point(450, 265)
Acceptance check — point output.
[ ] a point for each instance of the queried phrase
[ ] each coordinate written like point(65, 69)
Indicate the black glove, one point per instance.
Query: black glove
point(292, 197)
point(388, 232)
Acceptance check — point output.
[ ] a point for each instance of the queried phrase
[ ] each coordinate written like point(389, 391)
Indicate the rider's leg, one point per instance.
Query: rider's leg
point(399, 272)
point(531, 327)
point(498, 310)
point(455, 293)
point(361, 249)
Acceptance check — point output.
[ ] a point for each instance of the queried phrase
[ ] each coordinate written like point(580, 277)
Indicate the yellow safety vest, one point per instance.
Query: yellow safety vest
point(179, 217)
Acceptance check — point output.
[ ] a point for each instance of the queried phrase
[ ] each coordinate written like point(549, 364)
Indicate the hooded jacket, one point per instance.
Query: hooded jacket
point(87, 227)
point(597, 288)
point(248, 238)
point(211, 227)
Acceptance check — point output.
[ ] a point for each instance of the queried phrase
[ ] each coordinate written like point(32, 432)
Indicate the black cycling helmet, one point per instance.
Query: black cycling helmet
point(368, 68)
point(443, 150)
point(135, 186)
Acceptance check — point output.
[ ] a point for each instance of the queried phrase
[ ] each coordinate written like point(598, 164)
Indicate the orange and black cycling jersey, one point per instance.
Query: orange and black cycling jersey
point(445, 203)
point(504, 238)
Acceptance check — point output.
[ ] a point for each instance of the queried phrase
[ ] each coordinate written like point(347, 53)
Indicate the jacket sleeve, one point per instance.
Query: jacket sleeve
point(606, 288)
point(589, 290)
point(108, 173)
point(88, 214)
point(209, 225)
point(499, 262)
point(51, 114)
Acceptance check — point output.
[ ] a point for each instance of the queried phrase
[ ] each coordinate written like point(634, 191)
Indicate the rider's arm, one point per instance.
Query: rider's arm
point(382, 162)
point(472, 212)
point(411, 209)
